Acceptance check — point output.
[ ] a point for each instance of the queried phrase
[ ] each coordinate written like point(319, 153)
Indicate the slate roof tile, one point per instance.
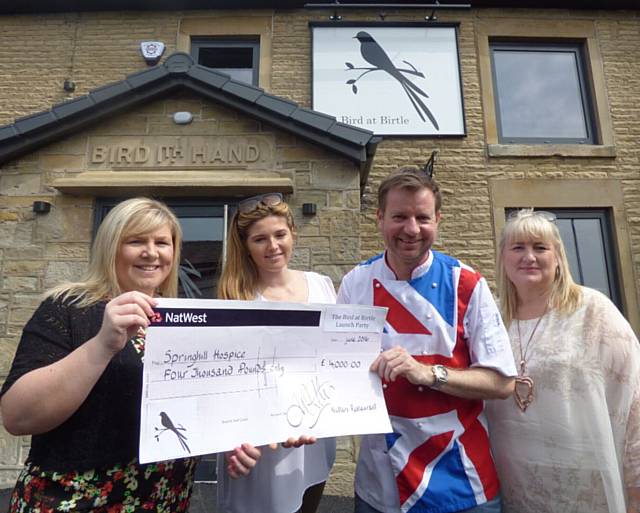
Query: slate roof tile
point(179, 70)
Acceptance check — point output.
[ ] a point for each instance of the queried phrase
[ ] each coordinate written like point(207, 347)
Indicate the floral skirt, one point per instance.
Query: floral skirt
point(163, 487)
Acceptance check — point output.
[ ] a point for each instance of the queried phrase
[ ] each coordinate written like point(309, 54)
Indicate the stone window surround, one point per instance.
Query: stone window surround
point(565, 193)
point(220, 45)
point(554, 31)
point(258, 25)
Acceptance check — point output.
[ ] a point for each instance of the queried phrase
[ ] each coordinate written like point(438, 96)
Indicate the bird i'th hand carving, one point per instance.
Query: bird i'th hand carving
point(375, 55)
point(168, 425)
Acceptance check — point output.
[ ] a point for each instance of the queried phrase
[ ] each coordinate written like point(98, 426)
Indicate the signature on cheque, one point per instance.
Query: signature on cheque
point(309, 401)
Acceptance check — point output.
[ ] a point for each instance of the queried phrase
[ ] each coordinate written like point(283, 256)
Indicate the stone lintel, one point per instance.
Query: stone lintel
point(171, 183)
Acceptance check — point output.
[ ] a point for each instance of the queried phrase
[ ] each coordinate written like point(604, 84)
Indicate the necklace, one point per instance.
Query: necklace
point(523, 391)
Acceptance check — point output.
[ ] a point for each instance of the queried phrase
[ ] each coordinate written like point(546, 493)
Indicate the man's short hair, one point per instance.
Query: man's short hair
point(411, 178)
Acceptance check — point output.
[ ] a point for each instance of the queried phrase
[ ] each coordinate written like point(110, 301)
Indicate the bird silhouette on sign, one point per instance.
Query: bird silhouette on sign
point(375, 55)
point(169, 426)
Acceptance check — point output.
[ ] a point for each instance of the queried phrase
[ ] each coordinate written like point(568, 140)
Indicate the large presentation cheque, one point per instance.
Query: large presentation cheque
point(220, 373)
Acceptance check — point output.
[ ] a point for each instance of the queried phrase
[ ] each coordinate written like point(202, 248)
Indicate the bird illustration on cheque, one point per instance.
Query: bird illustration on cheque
point(375, 55)
point(168, 425)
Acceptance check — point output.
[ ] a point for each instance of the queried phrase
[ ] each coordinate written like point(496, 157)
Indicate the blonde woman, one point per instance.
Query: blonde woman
point(291, 478)
point(569, 441)
point(76, 380)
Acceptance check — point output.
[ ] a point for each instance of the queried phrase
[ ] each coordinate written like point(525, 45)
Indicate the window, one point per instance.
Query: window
point(238, 58)
point(594, 227)
point(543, 89)
point(203, 246)
point(203, 240)
point(540, 93)
point(588, 240)
point(225, 26)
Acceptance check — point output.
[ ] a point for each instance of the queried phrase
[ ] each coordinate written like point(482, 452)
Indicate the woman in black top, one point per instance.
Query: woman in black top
point(75, 383)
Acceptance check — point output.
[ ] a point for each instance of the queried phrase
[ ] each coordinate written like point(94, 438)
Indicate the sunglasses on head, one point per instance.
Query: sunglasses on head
point(544, 214)
point(270, 199)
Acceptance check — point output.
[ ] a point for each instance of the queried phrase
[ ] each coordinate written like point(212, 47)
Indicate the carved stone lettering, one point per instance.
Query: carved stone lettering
point(112, 152)
point(142, 154)
point(99, 154)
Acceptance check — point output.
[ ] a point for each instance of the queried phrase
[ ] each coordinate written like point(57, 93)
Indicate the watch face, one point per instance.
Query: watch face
point(440, 373)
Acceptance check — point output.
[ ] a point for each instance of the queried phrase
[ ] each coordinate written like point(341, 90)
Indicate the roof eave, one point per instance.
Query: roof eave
point(179, 71)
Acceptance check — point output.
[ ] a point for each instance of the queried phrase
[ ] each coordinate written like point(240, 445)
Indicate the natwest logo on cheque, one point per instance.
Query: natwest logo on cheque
point(156, 317)
point(185, 318)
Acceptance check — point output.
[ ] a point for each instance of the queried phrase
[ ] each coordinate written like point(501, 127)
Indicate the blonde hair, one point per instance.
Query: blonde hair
point(136, 216)
point(565, 295)
point(239, 279)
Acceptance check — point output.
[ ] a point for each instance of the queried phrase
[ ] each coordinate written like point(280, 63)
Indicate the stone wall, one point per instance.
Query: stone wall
point(96, 48)
point(464, 168)
point(93, 49)
point(39, 251)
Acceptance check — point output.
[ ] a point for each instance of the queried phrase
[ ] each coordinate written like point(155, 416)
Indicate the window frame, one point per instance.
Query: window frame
point(604, 216)
point(258, 26)
point(537, 46)
point(199, 42)
point(188, 207)
point(575, 194)
point(219, 207)
point(545, 31)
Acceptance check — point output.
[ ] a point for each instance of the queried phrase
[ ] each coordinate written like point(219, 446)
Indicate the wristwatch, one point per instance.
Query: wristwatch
point(440, 376)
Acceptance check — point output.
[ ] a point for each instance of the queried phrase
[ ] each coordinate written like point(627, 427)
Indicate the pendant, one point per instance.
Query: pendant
point(523, 392)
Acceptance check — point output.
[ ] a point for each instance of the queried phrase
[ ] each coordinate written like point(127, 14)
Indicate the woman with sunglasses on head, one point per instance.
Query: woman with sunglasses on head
point(288, 478)
point(570, 439)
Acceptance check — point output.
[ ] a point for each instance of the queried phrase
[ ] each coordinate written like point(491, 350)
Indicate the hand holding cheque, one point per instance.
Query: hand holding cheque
point(232, 372)
point(241, 460)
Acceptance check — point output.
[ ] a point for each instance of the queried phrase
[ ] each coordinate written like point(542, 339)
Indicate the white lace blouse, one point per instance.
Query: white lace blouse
point(577, 446)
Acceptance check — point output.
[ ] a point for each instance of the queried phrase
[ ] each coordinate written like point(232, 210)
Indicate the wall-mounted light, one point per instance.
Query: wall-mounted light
point(308, 209)
point(182, 118)
point(41, 207)
point(69, 86)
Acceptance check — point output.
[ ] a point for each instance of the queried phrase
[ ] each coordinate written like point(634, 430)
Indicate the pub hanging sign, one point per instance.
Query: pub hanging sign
point(393, 79)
